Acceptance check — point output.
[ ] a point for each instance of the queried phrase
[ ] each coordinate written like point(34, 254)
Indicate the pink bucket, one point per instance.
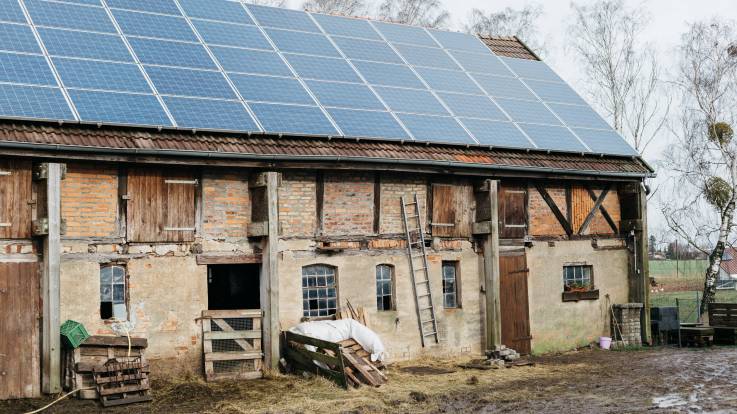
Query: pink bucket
point(605, 342)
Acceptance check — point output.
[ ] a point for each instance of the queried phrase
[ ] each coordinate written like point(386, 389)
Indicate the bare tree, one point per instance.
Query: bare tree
point(427, 13)
point(521, 23)
point(340, 7)
point(621, 69)
point(704, 158)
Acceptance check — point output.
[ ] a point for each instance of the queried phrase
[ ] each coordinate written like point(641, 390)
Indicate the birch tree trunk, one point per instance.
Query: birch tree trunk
point(715, 259)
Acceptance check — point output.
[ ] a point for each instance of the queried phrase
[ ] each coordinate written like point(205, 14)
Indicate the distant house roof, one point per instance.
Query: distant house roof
point(729, 263)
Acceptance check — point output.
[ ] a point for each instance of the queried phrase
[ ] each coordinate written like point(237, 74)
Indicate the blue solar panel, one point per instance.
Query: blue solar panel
point(605, 141)
point(225, 11)
point(369, 124)
point(405, 34)
point(502, 87)
point(425, 56)
point(210, 114)
point(460, 41)
point(293, 119)
point(388, 75)
point(85, 45)
point(250, 61)
point(313, 67)
point(154, 25)
point(228, 34)
point(28, 69)
point(10, 11)
point(481, 63)
point(119, 108)
point(553, 138)
point(154, 6)
point(86, 2)
point(528, 111)
point(188, 82)
point(270, 89)
point(33, 102)
point(412, 101)
point(436, 128)
point(89, 74)
point(579, 116)
point(498, 134)
point(307, 43)
point(69, 16)
point(345, 95)
point(531, 69)
point(472, 106)
point(283, 18)
point(18, 38)
point(366, 50)
point(448, 80)
point(164, 52)
point(344, 26)
point(555, 92)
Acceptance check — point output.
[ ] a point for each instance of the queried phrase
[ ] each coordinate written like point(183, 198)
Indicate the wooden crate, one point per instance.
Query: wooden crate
point(231, 341)
point(723, 315)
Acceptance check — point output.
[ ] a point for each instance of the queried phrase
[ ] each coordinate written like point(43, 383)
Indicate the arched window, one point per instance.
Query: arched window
point(319, 291)
point(385, 287)
point(113, 293)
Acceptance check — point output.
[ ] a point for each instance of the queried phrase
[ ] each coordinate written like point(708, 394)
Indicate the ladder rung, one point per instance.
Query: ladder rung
point(427, 308)
point(420, 268)
point(428, 320)
point(423, 295)
point(430, 334)
point(409, 204)
point(422, 282)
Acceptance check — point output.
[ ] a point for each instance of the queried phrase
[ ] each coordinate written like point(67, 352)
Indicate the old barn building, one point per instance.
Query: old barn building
point(162, 159)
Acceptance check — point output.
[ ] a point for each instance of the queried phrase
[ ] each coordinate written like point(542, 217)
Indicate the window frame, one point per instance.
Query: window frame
point(590, 286)
point(392, 288)
point(456, 266)
point(306, 289)
point(113, 283)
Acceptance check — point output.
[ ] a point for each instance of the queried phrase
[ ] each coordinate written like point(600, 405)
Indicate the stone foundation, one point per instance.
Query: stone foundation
point(626, 327)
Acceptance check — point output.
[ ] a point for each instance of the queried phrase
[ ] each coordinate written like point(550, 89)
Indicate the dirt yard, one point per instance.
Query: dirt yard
point(656, 381)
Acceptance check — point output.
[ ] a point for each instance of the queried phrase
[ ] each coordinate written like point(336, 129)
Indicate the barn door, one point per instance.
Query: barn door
point(19, 332)
point(513, 301)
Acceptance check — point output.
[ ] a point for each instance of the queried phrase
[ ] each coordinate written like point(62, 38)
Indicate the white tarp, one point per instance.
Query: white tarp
point(341, 330)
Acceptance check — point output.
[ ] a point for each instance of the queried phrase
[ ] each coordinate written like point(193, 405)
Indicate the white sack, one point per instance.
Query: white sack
point(341, 330)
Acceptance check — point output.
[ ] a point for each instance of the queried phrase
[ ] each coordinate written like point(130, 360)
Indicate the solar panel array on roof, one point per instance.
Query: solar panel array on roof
point(224, 65)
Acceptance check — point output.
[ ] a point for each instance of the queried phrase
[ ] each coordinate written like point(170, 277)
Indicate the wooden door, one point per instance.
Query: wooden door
point(513, 302)
point(15, 197)
point(19, 331)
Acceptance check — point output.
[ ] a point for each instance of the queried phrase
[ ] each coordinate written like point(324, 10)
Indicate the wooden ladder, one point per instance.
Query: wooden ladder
point(418, 269)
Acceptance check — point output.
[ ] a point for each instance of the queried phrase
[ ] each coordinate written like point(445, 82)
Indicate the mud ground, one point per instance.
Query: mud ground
point(663, 380)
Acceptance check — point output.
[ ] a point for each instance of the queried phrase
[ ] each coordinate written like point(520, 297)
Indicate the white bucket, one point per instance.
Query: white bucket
point(605, 342)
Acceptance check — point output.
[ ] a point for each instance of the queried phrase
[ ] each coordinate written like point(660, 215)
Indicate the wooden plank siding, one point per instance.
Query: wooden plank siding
point(161, 205)
point(512, 211)
point(452, 210)
point(15, 197)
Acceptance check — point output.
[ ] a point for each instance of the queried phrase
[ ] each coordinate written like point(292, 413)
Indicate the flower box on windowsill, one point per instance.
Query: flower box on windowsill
point(581, 295)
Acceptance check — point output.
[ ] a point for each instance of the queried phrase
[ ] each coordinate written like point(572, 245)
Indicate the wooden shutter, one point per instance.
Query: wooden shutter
point(512, 212)
point(15, 195)
point(452, 211)
point(161, 205)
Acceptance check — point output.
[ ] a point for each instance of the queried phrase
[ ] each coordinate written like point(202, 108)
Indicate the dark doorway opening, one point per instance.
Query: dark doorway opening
point(234, 286)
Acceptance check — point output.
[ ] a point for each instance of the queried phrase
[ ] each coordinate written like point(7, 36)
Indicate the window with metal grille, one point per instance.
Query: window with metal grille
point(451, 297)
point(577, 278)
point(319, 292)
point(384, 287)
point(113, 293)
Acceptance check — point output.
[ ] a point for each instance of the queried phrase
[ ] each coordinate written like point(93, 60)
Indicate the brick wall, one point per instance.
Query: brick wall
point(626, 326)
point(227, 205)
point(348, 206)
point(542, 221)
point(297, 204)
point(392, 189)
point(89, 203)
point(611, 204)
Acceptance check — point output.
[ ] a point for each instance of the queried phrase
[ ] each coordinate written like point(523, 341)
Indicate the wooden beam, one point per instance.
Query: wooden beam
point(377, 203)
point(203, 259)
point(258, 229)
point(270, 275)
point(554, 208)
point(604, 211)
point(491, 270)
point(592, 213)
point(319, 201)
point(50, 289)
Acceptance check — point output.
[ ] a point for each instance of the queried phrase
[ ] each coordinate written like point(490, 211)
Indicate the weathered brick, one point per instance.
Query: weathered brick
point(393, 188)
point(227, 205)
point(89, 201)
point(348, 203)
point(297, 204)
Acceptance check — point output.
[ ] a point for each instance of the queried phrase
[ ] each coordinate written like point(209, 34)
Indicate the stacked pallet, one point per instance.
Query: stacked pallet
point(358, 366)
point(121, 383)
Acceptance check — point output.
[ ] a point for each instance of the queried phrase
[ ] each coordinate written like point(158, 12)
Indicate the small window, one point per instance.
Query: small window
point(384, 287)
point(113, 294)
point(319, 293)
point(578, 278)
point(451, 297)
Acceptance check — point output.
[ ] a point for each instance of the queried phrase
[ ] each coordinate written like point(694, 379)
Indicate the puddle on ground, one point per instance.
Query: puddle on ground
point(670, 401)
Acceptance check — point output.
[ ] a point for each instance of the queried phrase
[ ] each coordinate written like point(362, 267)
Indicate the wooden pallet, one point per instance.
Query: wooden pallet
point(725, 336)
point(231, 343)
point(697, 336)
point(120, 383)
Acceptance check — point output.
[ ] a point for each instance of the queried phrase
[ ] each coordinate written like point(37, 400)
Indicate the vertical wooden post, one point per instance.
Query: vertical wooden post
point(50, 289)
point(491, 271)
point(643, 264)
point(270, 275)
point(634, 228)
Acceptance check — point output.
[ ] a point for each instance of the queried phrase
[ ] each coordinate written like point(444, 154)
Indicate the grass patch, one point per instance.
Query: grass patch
point(682, 268)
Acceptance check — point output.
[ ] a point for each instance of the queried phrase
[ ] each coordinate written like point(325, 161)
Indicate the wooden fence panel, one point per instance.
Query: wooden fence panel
point(232, 344)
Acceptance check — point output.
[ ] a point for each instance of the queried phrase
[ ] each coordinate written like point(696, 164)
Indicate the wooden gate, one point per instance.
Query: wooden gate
point(513, 302)
point(231, 341)
point(19, 331)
